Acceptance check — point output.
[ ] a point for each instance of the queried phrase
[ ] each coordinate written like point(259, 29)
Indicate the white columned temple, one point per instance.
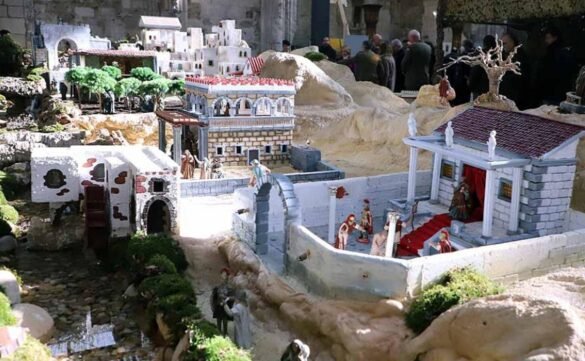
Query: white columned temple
point(438, 159)
point(177, 140)
point(332, 210)
point(515, 201)
point(412, 175)
point(489, 202)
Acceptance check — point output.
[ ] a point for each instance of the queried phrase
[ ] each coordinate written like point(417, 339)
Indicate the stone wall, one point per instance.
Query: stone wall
point(250, 140)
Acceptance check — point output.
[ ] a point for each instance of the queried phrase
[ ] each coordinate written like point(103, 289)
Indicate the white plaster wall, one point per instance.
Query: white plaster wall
point(120, 189)
point(40, 165)
point(567, 152)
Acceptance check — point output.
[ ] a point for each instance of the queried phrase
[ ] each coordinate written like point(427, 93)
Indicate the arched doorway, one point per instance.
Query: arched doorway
point(158, 219)
point(65, 56)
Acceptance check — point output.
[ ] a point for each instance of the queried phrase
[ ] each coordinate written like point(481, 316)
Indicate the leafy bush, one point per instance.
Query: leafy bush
point(178, 311)
point(220, 348)
point(144, 74)
point(6, 316)
point(142, 248)
point(315, 56)
point(162, 264)
point(9, 213)
point(201, 330)
point(54, 128)
point(113, 71)
point(30, 350)
point(177, 87)
point(76, 75)
point(5, 228)
point(455, 287)
point(157, 287)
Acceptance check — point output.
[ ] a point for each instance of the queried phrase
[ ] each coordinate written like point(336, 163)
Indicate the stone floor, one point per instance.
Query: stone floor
point(67, 285)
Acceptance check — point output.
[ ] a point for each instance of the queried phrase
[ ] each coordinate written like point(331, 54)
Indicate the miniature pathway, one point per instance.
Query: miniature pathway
point(67, 285)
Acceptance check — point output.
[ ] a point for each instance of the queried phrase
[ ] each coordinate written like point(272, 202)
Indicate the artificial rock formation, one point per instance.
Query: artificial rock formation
point(36, 319)
point(10, 286)
point(43, 236)
point(21, 87)
point(17, 146)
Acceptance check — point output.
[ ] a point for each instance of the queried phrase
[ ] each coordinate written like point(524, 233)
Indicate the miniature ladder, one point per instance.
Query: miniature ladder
point(415, 240)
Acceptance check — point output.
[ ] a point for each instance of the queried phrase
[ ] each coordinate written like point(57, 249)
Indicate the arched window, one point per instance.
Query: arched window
point(221, 107)
point(284, 107)
point(263, 107)
point(54, 179)
point(243, 107)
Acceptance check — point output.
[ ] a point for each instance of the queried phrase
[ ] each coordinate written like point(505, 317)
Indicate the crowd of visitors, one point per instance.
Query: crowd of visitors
point(410, 64)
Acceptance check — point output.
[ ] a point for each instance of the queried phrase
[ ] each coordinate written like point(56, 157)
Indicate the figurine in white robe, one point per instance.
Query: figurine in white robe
point(449, 135)
point(412, 125)
point(491, 143)
point(241, 316)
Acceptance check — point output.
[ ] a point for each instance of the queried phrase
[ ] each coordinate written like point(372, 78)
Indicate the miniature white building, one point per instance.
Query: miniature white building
point(523, 190)
point(124, 188)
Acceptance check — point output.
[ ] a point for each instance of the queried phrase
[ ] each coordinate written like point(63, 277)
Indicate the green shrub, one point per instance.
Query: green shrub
point(162, 264)
point(142, 248)
point(157, 287)
point(113, 71)
point(9, 185)
point(9, 213)
point(34, 77)
point(144, 74)
point(5, 228)
point(178, 311)
point(6, 316)
point(30, 350)
point(455, 287)
point(315, 56)
point(223, 349)
point(54, 128)
point(202, 330)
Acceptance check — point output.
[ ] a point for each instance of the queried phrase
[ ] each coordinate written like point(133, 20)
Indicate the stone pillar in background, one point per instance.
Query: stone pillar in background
point(332, 211)
point(273, 24)
point(177, 140)
point(392, 219)
point(410, 195)
point(162, 140)
point(320, 18)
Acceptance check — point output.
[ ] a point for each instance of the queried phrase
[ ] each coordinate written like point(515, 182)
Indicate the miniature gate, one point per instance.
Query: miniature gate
point(96, 218)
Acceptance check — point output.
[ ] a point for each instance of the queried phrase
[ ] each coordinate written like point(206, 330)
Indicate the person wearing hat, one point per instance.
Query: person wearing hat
point(366, 222)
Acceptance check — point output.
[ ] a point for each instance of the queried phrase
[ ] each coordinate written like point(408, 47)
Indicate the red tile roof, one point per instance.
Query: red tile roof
point(118, 53)
point(524, 134)
point(241, 80)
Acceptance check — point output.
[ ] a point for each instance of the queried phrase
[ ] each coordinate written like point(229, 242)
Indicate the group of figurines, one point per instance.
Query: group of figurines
point(208, 169)
point(231, 304)
point(442, 244)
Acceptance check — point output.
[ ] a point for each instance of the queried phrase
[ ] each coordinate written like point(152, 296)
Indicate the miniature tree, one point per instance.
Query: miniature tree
point(128, 88)
point(177, 87)
point(495, 66)
point(157, 89)
point(144, 74)
point(98, 82)
point(76, 77)
point(113, 71)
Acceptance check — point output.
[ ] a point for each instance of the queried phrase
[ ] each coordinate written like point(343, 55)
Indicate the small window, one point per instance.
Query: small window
point(284, 148)
point(268, 149)
point(448, 170)
point(227, 69)
point(239, 150)
point(505, 192)
point(158, 186)
point(210, 63)
point(237, 68)
point(219, 150)
point(54, 179)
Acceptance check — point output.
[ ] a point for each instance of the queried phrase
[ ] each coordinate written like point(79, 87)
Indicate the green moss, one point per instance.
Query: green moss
point(31, 350)
point(54, 128)
point(162, 264)
point(142, 248)
point(6, 316)
point(455, 287)
point(9, 213)
point(315, 56)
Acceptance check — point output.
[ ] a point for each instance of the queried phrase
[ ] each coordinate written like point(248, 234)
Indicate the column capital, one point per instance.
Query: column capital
point(393, 216)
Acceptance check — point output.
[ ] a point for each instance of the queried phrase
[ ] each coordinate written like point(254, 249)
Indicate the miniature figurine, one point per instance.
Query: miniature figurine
point(446, 92)
point(63, 91)
point(345, 230)
point(449, 135)
point(441, 245)
point(217, 169)
point(366, 222)
point(241, 316)
point(296, 351)
point(412, 125)
point(379, 242)
point(461, 203)
point(491, 143)
point(187, 165)
point(219, 297)
point(204, 168)
point(259, 171)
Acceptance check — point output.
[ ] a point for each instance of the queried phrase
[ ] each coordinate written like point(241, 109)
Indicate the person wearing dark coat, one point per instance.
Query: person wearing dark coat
point(398, 54)
point(386, 67)
point(478, 81)
point(458, 74)
point(327, 49)
point(415, 65)
point(366, 64)
point(514, 86)
point(557, 70)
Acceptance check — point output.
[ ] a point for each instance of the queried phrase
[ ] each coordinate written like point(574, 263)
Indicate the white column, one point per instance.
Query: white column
point(332, 206)
point(412, 175)
point(392, 219)
point(515, 201)
point(436, 178)
point(177, 135)
point(488, 203)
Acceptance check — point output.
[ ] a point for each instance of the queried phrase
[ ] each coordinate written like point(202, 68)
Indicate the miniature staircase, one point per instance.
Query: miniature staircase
point(415, 240)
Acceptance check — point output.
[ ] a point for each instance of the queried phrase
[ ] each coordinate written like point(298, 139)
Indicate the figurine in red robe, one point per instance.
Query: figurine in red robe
point(346, 228)
point(367, 223)
point(446, 92)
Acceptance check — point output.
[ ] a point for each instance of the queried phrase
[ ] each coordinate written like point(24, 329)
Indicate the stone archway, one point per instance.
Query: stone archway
point(292, 212)
point(158, 215)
